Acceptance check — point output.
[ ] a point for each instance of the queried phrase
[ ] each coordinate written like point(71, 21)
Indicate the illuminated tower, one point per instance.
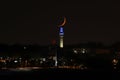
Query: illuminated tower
point(61, 33)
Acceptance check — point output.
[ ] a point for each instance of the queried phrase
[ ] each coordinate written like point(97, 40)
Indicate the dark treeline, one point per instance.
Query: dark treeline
point(20, 49)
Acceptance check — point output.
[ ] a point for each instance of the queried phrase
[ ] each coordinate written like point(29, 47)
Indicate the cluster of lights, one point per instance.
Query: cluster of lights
point(115, 61)
point(79, 50)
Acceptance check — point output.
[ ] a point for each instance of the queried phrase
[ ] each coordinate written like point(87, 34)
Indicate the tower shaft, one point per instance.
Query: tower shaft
point(61, 34)
point(61, 41)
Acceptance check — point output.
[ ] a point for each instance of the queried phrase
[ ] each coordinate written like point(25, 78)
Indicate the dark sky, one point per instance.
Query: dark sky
point(36, 21)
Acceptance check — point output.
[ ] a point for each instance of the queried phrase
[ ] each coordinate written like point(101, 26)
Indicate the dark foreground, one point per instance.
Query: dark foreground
point(60, 74)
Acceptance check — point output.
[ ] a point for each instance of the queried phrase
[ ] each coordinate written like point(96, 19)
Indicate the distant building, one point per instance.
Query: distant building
point(102, 51)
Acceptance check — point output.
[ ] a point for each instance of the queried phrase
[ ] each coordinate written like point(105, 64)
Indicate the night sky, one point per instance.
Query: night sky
point(35, 22)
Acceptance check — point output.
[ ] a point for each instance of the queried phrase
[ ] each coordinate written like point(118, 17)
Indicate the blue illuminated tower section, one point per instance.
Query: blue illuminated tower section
point(61, 34)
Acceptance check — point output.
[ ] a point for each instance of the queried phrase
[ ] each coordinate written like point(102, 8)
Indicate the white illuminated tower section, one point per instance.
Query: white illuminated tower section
point(61, 34)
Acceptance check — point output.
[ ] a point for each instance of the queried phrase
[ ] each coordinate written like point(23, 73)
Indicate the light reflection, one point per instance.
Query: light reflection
point(115, 61)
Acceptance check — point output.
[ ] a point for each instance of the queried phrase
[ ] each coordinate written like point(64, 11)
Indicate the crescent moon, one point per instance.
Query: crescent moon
point(64, 22)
